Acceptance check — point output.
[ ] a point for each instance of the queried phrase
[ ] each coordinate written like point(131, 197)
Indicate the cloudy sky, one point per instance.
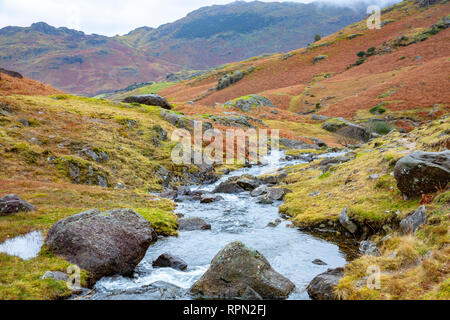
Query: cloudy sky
point(107, 17)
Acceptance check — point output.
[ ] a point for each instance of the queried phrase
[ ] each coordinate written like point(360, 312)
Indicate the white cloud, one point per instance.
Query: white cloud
point(107, 17)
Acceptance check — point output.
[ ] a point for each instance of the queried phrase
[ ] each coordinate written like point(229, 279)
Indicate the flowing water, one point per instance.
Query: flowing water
point(237, 217)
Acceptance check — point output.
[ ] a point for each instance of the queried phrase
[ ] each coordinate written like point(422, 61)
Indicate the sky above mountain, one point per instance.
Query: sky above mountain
point(111, 17)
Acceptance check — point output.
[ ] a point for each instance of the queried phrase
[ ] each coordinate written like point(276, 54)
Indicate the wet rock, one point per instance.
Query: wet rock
point(235, 269)
point(228, 187)
point(369, 248)
point(259, 191)
point(322, 287)
point(274, 223)
point(414, 221)
point(345, 221)
point(423, 172)
point(248, 184)
point(319, 262)
point(191, 224)
point(149, 99)
point(273, 179)
point(265, 199)
point(105, 244)
point(55, 275)
point(209, 198)
point(12, 203)
point(169, 261)
point(277, 194)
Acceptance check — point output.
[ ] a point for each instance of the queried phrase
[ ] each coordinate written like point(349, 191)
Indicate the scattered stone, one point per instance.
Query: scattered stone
point(319, 262)
point(169, 261)
point(24, 122)
point(105, 244)
point(55, 275)
point(314, 194)
point(191, 224)
point(12, 203)
point(414, 221)
point(322, 287)
point(237, 271)
point(369, 248)
point(149, 99)
point(247, 103)
point(345, 221)
point(423, 173)
point(374, 177)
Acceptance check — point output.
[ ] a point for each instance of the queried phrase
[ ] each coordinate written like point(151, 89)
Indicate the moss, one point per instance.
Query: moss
point(164, 222)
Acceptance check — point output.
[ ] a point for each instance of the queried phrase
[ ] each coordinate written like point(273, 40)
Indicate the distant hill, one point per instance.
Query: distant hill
point(91, 64)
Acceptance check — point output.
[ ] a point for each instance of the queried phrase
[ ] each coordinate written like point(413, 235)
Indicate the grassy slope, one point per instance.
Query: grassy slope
point(60, 126)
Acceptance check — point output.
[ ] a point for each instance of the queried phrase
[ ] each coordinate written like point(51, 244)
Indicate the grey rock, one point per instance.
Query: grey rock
point(235, 269)
point(55, 275)
point(414, 221)
point(274, 223)
point(191, 224)
point(228, 187)
point(277, 194)
point(12, 203)
point(263, 189)
point(345, 221)
point(322, 287)
point(319, 262)
point(209, 198)
point(273, 179)
point(248, 184)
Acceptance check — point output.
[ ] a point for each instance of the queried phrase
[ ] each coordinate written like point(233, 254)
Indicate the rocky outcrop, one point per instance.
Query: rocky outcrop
point(423, 172)
point(322, 287)
point(191, 224)
point(105, 244)
point(150, 100)
point(169, 261)
point(414, 221)
point(237, 270)
point(12, 203)
point(228, 79)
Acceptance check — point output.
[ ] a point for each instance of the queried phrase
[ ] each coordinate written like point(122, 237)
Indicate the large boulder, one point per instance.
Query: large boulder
point(414, 221)
point(169, 261)
point(105, 244)
point(249, 103)
point(12, 203)
point(423, 172)
point(237, 270)
point(228, 79)
point(149, 99)
point(322, 287)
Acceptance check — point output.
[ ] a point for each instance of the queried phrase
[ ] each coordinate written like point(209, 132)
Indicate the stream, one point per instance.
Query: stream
point(236, 217)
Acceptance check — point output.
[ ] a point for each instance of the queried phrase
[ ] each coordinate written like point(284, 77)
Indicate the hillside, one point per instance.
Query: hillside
point(92, 64)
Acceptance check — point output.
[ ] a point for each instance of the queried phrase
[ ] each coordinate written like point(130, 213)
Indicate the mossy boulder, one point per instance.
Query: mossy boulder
point(150, 100)
point(237, 270)
point(347, 129)
point(228, 79)
point(81, 171)
point(323, 286)
point(12, 203)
